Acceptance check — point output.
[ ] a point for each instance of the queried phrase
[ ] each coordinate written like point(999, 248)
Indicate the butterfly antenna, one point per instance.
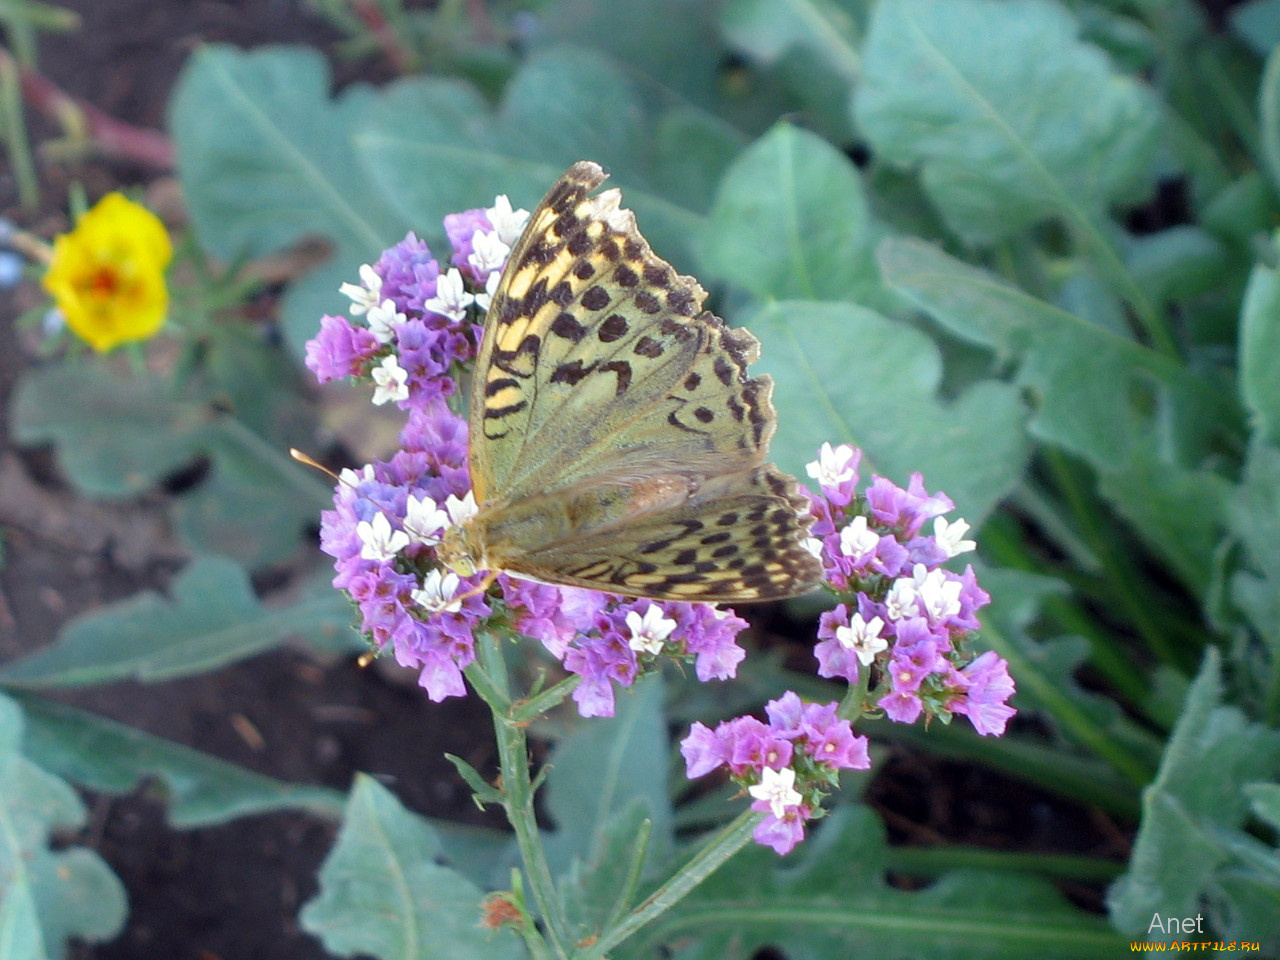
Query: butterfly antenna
point(312, 462)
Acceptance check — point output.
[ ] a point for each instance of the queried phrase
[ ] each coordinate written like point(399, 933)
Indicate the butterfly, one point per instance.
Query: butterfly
point(616, 441)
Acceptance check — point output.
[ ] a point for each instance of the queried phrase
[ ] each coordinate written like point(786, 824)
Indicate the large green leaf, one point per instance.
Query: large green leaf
point(1192, 835)
point(117, 436)
point(1260, 351)
point(602, 766)
point(433, 146)
point(811, 44)
point(102, 755)
point(213, 619)
point(790, 222)
point(1009, 117)
point(831, 900)
point(47, 893)
point(384, 893)
point(1083, 375)
point(843, 374)
point(285, 174)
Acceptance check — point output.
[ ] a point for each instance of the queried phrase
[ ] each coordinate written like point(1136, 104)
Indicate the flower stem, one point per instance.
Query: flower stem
point(705, 862)
point(517, 788)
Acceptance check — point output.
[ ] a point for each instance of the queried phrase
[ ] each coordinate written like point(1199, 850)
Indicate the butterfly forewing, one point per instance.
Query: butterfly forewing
point(600, 371)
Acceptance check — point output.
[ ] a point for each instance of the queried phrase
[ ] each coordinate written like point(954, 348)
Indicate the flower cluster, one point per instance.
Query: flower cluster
point(415, 326)
point(107, 275)
point(903, 622)
point(787, 765)
point(898, 633)
point(414, 322)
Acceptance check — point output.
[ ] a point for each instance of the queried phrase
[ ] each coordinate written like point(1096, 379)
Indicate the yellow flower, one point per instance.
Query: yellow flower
point(107, 275)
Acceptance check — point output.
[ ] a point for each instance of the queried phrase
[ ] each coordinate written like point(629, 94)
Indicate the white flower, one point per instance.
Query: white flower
point(857, 539)
point(378, 541)
point(950, 536)
point(461, 510)
point(939, 594)
point(900, 601)
point(451, 299)
point(484, 300)
point(488, 252)
point(383, 320)
point(508, 224)
point(650, 632)
point(423, 520)
point(392, 381)
point(813, 545)
point(439, 593)
point(366, 294)
point(778, 789)
point(863, 638)
point(834, 466)
point(352, 478)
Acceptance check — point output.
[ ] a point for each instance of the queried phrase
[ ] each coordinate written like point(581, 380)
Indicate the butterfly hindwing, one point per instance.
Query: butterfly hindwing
point(740, 538)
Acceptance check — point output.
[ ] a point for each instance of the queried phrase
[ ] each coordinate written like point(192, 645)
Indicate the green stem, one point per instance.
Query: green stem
point(489, 677)
point(735, 836)
point(15, 135)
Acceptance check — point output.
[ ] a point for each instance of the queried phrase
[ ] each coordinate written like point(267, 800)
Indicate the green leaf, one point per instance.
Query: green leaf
point(670, 45)
point(285, 175)
point(1008, 116)
point(114, 436)
point(601, 767)
point(1192, 812)
point(212, 620)
point(790, 222)
point(830, 899)
point(117, 436)
point(1257, 23)
point(109, 757)
point(433, 147)
point(811, 44)
point(1083, 376)
point(843, 374)
point(47, 894)
point(1269, 110)
point(384, 893)
point(1260, 351)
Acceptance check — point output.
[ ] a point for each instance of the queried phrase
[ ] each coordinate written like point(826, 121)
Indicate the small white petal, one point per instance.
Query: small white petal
point(834, 466)
point(950, 536)
point(461, 510)
point(508, 224)
point(438, 593)
point(383, 319)
point(863, 637)
point(451, 299)
point(391, 381)
point(424, 520)
point(857, 539)
point(378, 541)
point(488, 252)
point(366, 294)
point(485, 300)
point(778, 789)
point(649, 632)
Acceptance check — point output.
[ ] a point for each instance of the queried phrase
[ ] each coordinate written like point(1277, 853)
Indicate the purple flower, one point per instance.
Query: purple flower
point(340, 350)
point(461, 229)
point(901, 706)
point(703, 750)
point(408, 272)
point(984, 702)
point(781, 834)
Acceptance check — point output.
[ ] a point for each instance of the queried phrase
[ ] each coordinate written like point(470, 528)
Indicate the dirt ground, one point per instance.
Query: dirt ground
point(234, 891)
